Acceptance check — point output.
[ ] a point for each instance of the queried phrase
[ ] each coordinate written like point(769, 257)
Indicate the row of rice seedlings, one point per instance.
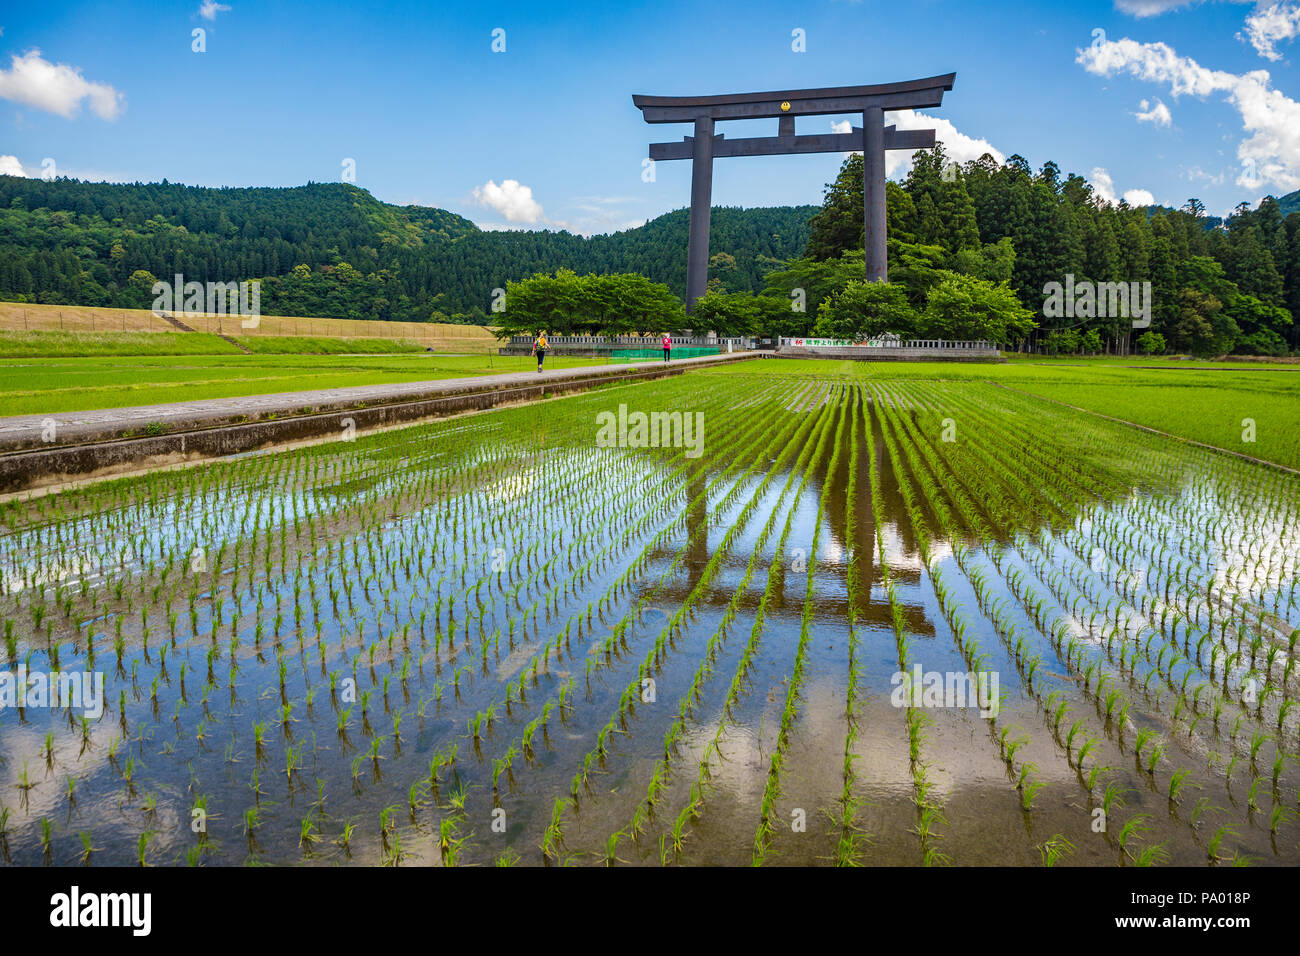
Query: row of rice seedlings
point(1026, 784)
point(771, 791)
point(1259, 667)
point(1192, 709)
point(929, 809)
point(773, 441)
point(852, 840)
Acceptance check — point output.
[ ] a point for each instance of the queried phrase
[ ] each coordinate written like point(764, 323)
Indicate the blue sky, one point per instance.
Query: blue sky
point(544, 134)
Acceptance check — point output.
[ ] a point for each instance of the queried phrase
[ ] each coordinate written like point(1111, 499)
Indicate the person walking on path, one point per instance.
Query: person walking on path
point(668, 346)
point(539, 349)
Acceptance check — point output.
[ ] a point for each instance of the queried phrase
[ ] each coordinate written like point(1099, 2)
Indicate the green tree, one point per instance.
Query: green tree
point(568, 304)
point(1151, 343)
point(862, 310)
point(964, 307)
point(1202, 328)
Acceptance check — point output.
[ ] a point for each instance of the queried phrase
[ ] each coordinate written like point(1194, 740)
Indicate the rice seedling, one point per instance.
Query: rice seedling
point(1177, 781)
point(142, 847)
point(1215, 842)
point(87, 847)
point(1055, 849)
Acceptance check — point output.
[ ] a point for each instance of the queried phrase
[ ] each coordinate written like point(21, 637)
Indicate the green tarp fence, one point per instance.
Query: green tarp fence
point(650, 355)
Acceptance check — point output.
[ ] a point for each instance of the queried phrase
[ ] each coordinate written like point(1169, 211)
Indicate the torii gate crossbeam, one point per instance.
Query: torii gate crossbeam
point(872, 139)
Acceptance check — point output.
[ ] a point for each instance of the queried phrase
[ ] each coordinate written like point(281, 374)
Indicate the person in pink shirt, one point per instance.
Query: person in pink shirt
point(668, 346)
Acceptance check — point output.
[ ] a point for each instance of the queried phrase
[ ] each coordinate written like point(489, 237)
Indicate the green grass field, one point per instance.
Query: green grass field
point(44, 385)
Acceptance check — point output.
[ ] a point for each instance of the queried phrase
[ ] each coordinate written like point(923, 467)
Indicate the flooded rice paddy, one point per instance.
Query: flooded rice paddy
point(512, 638)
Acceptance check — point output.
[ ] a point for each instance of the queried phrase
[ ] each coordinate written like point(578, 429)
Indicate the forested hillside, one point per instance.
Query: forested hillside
point(333, 249)
point(1214, 288)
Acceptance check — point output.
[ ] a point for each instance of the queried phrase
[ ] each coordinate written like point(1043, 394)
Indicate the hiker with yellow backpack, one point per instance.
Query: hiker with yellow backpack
point(539, 348)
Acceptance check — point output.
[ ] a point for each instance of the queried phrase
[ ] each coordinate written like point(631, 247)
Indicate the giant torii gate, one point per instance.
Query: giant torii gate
point(871, 139)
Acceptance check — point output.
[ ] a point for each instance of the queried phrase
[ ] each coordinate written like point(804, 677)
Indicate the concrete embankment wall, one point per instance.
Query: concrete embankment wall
point(102, 443)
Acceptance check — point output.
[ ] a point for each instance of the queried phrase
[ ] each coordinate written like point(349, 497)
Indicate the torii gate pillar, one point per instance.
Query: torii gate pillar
point(697, 244)
point(873, 194)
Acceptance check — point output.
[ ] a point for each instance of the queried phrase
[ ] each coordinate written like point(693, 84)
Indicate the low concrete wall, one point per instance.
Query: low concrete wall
point(95, 444)
point(900, 354)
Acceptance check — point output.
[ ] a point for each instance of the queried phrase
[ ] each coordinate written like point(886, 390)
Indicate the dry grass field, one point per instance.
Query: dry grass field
point(23, 316)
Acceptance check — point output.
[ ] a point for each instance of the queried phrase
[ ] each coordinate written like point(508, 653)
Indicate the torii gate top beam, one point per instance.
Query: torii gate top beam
point(911, 94)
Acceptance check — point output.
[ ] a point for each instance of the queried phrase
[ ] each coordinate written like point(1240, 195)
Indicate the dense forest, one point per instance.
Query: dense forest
point(333, 249)
point(990, 235)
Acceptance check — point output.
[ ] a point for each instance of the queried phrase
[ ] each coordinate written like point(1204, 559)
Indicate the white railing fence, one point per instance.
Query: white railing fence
point(887, 342)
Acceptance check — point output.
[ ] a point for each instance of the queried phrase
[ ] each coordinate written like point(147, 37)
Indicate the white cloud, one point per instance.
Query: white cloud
point(1157, 114)
point(1103, 187)
point(1198, 175)
point(1151, 8)
point(9, 166)
point(957, 146)
point(512, 199)
point(209, 9)
point(1268, 25)
point(57, 88)
point(1154, 8)
point(1269, 22)
point(1269, 156)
